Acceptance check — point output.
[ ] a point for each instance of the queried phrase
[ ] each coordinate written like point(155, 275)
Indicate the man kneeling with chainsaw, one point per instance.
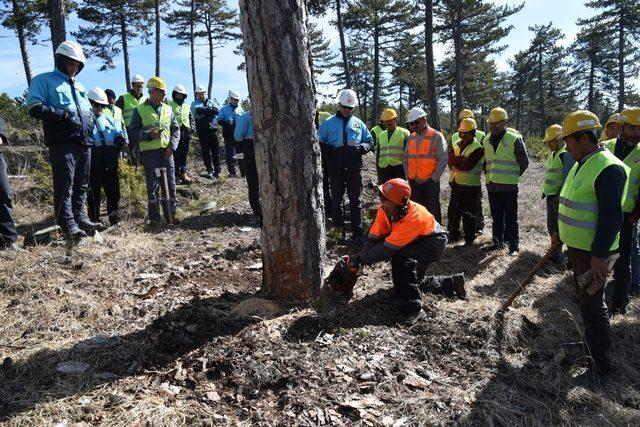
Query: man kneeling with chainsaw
point(406, 233)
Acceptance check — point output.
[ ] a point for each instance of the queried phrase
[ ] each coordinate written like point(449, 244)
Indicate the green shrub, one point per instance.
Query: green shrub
point(133, 190)
point(536, 147)
point(22, 128)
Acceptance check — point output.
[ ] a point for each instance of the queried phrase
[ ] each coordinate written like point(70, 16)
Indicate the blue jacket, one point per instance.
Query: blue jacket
point(227, 119)
point(205, 114)
point(345, 140)
point(244, 128)
point(62, 105)
point(108, 132)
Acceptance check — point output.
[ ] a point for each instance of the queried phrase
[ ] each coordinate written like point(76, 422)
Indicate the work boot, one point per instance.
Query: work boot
point(89, 226)
point(457, 283)
point(184, 178)
point(209, 175)
point(412, 318)
point(74, 235)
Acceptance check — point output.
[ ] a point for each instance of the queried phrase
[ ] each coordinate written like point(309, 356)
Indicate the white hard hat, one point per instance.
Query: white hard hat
point(201, 89)
point(234, 94)
point(415, 113)
point(137, 79)
point(98, 96)
point(180, 89)
point(72, 50)
point(348, 98)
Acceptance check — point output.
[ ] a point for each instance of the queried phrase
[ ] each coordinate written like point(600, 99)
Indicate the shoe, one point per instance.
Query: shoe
point(494, 247)
point(413, 318)
point(458, 286)
point(514, 252)
point(89, 226)
point(153, 224)
point(232, 175)
point(75, 235)
point(468, 244)
point(208, 175)
point(617, 311)
point(184, 178)
point(454, 239)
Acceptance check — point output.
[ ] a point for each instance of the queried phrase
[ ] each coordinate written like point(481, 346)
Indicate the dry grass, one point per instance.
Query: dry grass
point(171, 349)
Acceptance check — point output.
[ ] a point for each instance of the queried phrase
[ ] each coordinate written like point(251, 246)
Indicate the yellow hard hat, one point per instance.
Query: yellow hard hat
point(578, 121)
point(467, 125)
point(156, 83)
point(465, 114)
point(498, 115)
point(553, 132)
point(630, 116)
point(388, 114)
point(614, 118)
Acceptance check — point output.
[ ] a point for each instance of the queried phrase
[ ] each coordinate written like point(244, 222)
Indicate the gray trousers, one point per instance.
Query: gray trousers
point(151, 160)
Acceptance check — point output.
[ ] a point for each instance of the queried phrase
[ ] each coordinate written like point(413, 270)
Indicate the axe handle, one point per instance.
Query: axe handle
point(165, 190)
point(505, 306)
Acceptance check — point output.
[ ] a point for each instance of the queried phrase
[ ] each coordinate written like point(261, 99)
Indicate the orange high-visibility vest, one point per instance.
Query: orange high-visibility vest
point(417, 222)
point(421, 154)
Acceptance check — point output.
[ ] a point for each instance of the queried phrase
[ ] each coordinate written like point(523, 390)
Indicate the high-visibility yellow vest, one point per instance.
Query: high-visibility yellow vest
point(578, 211)
point(376, 130)
point(553, 178)
point(390, 151)
point(422, 154)
point(130, 103)
point(181, 112)
point(115, 112)
point(502, 165)
point(633, 162)
point(322, 116)
point(455, 138)
point(470, 177)
point(155, 119)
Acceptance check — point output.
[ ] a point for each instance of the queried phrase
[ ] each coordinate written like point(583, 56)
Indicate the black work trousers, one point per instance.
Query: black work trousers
point(622, 268)
point(231, 148)
point(8, 232)
point(326, 186)
point(180, 156)
point(104, 175)
point(390, 172)
point(351, 181)
point(504, 214)
point(405, 267)
point(70, 166)
point(597, 329)
point(252, 177)
point(428, 195)
point(463, 205)
point(210, 150)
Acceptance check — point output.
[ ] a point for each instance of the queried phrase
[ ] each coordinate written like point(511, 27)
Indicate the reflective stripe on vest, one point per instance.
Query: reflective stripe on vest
point(421, 154)
point(578, 211)
point(181, 112)
point(553, 178)
point(130, 103)
point(470, 177)
point(633, 162)
point(150, 120)
point(502, 166)
point(390, 152)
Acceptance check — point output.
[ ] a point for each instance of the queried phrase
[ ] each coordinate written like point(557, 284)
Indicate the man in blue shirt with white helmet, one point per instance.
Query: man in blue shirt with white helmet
point(244, 134)
point(61, 103)
point(227, 119)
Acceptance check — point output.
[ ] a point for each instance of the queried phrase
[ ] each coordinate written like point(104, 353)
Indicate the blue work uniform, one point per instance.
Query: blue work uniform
point(62, 104)
point(345, 140)
point(227, 118)
point(243, 133)
point(8, 231)
point(205, 115)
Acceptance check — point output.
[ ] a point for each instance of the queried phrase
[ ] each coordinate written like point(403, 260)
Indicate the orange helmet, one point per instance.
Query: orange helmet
point(396, 190)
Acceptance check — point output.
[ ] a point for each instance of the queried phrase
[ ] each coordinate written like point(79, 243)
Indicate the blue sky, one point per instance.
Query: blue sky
point(175, 59)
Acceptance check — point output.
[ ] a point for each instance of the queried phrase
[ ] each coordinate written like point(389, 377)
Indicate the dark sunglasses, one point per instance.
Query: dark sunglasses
point(140, 86)
point(345, 107)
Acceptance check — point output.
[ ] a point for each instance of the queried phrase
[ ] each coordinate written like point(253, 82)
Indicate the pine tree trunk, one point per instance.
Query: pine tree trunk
point(343, 45)
point(57, 23)
point(543, 113)
point(210, 38)
point(287, 151)
point(192, 19)
point(452, 115)
point(592, 72)
point(376, 74)
point(124, 35)
point(621, 56)
point(157, 13)
point(434, 117)
point(23, 43)
point(457, 58)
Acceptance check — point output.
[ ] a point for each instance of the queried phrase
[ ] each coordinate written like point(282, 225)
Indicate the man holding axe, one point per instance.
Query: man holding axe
point(155, 127)
point(589, 220)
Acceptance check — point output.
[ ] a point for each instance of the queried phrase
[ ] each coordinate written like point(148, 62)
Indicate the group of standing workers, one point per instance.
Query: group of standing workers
point(86, 132)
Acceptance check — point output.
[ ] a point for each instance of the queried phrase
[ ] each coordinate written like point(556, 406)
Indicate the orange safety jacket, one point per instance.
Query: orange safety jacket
point(421, 154)
point(417, 222)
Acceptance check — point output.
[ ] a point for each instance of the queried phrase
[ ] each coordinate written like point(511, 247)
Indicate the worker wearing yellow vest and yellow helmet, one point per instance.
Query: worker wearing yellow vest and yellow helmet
point(589, 221)
point(466, 161)
point(627, 149)
point(127, 103)
point(506, 158)
point(559, 163)
point(455, 138)
point(611, 129)
point(389, 144)
point(182, 111)
point(154, 127)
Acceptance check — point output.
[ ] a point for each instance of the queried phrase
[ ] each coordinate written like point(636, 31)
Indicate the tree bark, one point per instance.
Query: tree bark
point(592, 72)
point(57, 23)
point(434, 118)
point(343, 46)
point(157, 13)
point(124, 34)
point(192, 18)
point(287, 151)
point(543, 113)
point(23, 43)
point(621, 56)
point(210, 38)
point(457, 58)
point(376, 74)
